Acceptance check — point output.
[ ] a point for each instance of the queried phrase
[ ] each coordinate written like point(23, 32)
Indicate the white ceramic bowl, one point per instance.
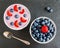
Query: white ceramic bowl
point(40, 41)
point(19, 10)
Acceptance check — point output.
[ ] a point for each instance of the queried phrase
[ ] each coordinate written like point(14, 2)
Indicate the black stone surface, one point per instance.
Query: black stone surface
point(36, 8)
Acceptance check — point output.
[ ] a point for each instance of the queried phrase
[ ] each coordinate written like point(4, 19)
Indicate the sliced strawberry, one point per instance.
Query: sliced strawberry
point(8, 13)
point(22, 11)
point(16, 8)
point(16, 24)
point(22, 19)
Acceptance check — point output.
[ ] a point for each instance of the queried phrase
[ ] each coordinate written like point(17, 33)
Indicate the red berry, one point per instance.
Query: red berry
point(16, 8)
point(44, 29)
point(16, 24)
point(23, 19)
point(22, 11)
point(9, 13)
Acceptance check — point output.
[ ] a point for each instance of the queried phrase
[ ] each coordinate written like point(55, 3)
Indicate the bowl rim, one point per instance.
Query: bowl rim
point(39, 41)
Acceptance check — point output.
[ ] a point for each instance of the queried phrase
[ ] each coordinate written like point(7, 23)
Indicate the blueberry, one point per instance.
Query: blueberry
point(47, 39)
point(37, 20)
point(41, 34)
point(47, 8)
point(11, 23)
point(37, 35)
point(44, 37)
point(43, 22)
point(24, 15)
point(36, 31)
point(41, 39)
point(48, 24)
point(20, 23)
point(19, 8)
point(39, 26)
point(35, 24)
point(33, 35)
point(16, 16)
point(46, 21)
point(7, 17)
point(35, 38)
point(11, 10)
point(44, 40)
point(51, 10)
point(51, 34)
point(48, 36)
point(51, 25)
point(32, 26)
point(50, 28)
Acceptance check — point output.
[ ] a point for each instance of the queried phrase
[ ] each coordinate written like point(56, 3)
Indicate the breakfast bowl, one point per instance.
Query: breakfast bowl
point(17, 16)
point(43, 30)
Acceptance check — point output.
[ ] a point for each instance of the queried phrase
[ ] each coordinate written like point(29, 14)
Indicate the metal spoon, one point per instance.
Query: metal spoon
point(10, 35)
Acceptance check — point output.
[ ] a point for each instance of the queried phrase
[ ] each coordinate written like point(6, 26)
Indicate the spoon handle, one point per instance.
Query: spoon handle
point(24, 41)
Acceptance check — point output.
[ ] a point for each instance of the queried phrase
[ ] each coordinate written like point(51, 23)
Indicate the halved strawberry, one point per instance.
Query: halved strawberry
point(16, 8)
point(22, 19)
point(8, 13)
point(22, 11)
point(16, 23)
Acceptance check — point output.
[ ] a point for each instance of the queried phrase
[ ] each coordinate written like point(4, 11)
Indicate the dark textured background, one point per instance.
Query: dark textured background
point(36, 8)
